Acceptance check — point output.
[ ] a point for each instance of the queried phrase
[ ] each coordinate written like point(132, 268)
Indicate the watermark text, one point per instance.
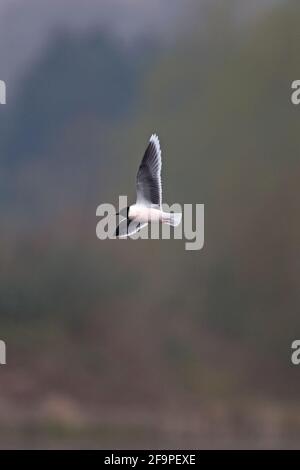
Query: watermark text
point(2, 92)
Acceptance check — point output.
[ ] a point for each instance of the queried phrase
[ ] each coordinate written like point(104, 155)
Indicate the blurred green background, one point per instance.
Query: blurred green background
point(141, 343)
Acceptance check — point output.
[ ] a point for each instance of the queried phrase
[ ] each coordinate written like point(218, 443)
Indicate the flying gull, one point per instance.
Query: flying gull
point(148, 206)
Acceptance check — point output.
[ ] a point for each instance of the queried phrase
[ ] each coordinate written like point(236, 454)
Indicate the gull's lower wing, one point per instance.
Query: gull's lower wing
point(128, 227)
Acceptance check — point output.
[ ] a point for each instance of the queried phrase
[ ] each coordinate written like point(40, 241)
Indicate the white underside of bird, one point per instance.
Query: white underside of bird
point(148, 206)
point(149, 214)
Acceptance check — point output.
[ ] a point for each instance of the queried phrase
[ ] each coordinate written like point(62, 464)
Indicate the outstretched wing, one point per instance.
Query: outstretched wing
point(148, 181)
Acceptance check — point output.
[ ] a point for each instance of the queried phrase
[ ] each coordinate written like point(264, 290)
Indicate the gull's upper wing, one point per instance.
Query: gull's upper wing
point(148, 181)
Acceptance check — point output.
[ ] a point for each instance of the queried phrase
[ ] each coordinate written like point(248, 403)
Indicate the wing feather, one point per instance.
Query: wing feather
point(127, 227)
point(148, 181)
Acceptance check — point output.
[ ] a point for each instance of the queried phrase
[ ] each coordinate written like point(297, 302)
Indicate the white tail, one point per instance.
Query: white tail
point(173, 219)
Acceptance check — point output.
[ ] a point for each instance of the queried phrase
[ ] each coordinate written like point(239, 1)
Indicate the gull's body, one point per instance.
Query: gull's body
point(148, 206)
point(147, 214)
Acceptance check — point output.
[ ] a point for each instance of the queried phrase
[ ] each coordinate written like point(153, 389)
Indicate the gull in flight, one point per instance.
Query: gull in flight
point(148, 206)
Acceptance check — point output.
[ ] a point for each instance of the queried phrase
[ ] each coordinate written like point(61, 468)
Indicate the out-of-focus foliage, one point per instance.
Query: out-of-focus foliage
point(148, 322)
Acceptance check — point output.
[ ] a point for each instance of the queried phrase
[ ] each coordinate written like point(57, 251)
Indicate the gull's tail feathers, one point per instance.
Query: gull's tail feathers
point(173, 219)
